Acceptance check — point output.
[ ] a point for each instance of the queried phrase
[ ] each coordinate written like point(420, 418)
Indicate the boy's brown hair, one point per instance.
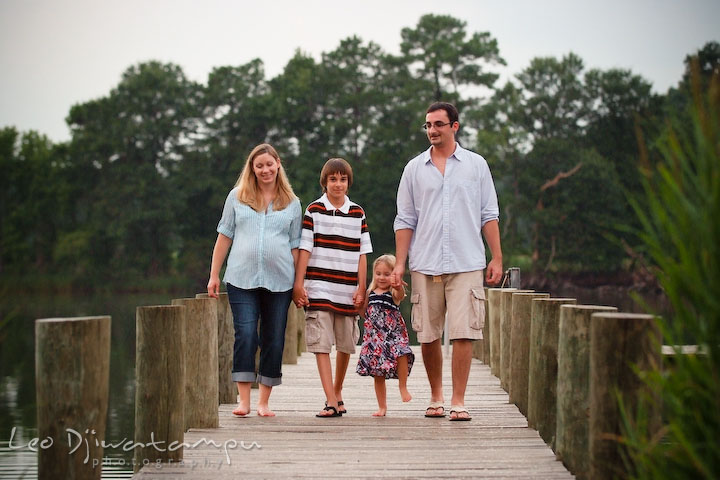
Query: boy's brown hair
point(335, 165)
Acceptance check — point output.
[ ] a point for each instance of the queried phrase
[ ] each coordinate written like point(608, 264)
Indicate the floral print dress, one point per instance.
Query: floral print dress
point(385, 338)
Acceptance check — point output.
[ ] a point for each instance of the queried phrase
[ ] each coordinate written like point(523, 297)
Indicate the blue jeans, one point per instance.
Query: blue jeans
point(270, 309)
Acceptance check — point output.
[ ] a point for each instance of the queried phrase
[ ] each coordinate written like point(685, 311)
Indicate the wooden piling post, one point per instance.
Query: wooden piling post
point(201, 362)
point(72, 372)
point(573, 386)
point(520, 352)
point(505, 331)
point(542, 379)
point(620, 345)
point(159, 383)
point(494, 312)
point(227, 391)
point(290, 351)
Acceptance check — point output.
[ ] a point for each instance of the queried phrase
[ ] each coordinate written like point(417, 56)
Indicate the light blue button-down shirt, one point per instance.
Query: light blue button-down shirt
point(446, 212)
point(260, 255)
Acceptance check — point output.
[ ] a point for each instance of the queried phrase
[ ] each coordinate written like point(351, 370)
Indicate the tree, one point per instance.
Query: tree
point(572, 199)
point(349, 80)
point(30, 206)
point(445, 58)
point(620, 102)
point(129, 143)
point(553, 103)
point(548, 133)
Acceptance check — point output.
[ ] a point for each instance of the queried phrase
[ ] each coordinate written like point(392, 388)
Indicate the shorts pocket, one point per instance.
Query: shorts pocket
point(416, 313)
point(478, 307)
point(356, 330)
point(312, 328)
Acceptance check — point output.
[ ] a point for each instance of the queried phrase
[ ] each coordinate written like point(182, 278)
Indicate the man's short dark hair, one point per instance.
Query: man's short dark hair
point(449, 108)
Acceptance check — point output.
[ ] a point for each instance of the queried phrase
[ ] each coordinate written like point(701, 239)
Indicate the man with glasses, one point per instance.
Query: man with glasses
point(446, 203)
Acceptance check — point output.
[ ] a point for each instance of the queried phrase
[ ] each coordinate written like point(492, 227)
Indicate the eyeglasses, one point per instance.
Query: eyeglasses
point(437, 125)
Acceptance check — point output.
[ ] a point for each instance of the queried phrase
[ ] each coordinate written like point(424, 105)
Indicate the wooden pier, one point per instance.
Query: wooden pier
point(497, 443)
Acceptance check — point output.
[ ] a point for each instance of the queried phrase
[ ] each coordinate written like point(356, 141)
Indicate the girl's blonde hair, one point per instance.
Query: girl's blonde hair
point(388, 260)
point(248, 191)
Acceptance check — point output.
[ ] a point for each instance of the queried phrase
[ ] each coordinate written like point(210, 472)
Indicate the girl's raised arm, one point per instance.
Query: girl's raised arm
point(398, 294)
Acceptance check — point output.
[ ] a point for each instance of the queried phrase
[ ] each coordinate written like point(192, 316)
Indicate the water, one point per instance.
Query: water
point(17, 374)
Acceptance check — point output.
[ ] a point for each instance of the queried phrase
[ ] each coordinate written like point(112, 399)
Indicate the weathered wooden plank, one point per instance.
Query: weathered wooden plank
point(497, 443)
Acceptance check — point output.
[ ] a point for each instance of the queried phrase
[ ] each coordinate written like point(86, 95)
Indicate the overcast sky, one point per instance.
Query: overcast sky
point(56, 53)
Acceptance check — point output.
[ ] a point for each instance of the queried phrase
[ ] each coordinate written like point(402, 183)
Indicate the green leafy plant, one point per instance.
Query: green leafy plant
point(680, 218)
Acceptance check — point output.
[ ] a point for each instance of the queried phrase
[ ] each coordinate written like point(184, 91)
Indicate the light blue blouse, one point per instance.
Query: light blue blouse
point(260, 255)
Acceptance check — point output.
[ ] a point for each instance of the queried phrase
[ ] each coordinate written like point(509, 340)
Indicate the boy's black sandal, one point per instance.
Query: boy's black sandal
point(340, 404)
point(329, 408)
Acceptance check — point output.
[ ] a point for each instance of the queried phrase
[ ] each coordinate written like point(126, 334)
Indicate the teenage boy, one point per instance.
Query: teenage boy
point(330, 278)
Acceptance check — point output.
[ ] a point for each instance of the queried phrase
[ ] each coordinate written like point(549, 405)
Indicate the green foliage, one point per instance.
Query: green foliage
point(573, 199)
point(439, 46)
point(681, 233)
point(562, 148)
point(31, 183)
point(554, 101)
point(129, 146)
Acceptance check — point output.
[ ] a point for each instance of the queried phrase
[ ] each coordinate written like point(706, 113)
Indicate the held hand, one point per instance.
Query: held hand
point(213, 287)
point(401, 288)
point(396, 278)
point(494, 272)
point(300, 297)
point(358, 297)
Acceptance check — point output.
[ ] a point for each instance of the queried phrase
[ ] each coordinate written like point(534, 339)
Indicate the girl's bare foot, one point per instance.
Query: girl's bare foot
point(380, 413)
point(264, 411)
point(405, 395)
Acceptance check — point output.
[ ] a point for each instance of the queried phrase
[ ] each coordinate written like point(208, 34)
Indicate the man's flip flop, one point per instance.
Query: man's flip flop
point(327, 409)
point(435, 406)
point(457, 410)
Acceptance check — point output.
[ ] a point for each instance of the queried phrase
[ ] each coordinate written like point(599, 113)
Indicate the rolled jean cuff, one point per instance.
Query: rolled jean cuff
point(247, 377)
point(269, 381)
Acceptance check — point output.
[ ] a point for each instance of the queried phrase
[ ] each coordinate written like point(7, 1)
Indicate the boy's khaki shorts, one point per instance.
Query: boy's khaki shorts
point(460, 294)
point(323, 329)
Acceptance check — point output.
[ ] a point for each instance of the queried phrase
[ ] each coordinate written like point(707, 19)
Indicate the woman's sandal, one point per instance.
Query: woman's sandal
point(328, 409)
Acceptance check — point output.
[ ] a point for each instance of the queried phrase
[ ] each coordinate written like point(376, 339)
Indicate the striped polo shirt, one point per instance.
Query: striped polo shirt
point(335, 239)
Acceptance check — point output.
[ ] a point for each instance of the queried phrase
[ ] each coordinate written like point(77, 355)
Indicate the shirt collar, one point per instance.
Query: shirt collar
point(459, 153)
point(329, 206)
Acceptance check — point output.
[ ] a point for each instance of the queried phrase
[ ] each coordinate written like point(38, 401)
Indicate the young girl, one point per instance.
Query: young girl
point(385, 350)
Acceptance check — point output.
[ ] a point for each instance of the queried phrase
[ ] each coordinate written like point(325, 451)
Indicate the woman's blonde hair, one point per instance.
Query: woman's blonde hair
point(250, 194)
point(388, 260)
